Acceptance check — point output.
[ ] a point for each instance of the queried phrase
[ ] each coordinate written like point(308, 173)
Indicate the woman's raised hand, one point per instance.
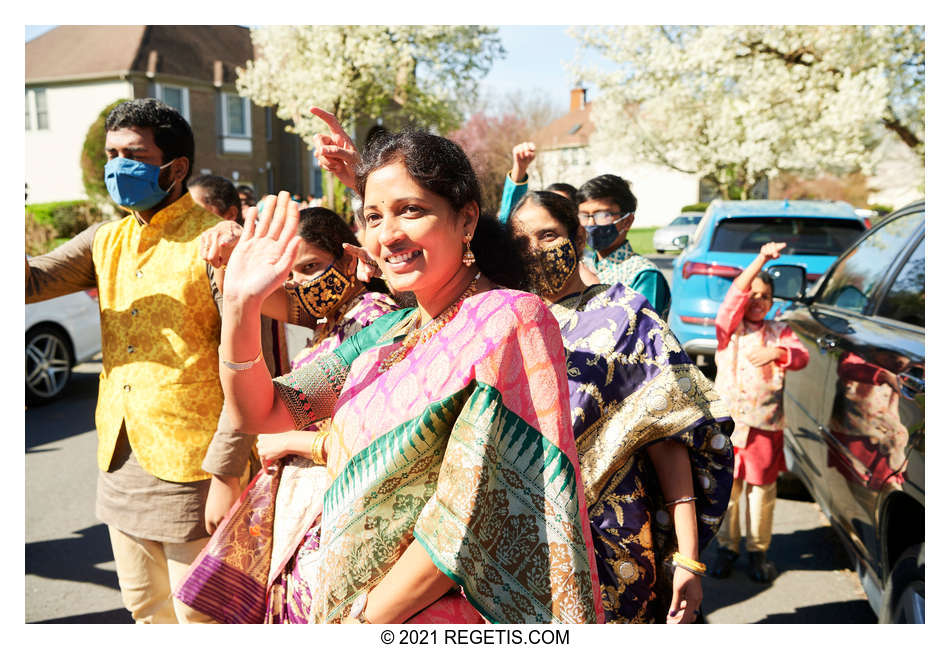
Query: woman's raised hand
point(336, 152)
point(366, 267)
point(263, 257)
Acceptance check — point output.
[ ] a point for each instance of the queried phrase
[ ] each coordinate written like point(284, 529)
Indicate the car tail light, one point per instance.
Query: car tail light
point(699, 268)
point(867, 223)
point(811, 277)
point(706, 322)
point(93, 293)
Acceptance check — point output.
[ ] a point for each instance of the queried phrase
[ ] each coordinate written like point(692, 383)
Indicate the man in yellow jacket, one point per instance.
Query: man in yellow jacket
point(159, 394)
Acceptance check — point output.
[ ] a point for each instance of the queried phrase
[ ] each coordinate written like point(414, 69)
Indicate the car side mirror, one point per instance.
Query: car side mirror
point(680, 242)
point(788, 282)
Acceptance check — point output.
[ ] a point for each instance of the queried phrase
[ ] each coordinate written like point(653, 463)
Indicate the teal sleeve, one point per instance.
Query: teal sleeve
point(653, 286)
point(368, 336)
point(510, 195)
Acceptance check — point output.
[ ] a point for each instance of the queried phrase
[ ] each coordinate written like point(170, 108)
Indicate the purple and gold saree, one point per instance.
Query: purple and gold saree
point(631, 385)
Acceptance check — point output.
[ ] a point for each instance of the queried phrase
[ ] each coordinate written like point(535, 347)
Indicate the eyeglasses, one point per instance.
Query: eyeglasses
point(601, 218)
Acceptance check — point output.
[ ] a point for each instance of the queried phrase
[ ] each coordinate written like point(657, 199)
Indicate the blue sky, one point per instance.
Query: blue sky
point(535, 60)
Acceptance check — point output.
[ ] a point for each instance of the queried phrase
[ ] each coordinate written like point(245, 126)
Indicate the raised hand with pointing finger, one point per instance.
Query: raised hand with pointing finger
point(336, 152)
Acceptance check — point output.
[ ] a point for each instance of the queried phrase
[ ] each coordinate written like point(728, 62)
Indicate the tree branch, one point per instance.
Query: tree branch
point(903, 132)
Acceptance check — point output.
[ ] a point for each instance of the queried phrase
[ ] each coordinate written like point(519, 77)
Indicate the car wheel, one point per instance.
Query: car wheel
point(903, 599)
point(661, 251)
point(49, 363)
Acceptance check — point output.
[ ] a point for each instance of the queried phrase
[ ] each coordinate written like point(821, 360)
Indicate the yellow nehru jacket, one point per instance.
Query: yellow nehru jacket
point(160, 334)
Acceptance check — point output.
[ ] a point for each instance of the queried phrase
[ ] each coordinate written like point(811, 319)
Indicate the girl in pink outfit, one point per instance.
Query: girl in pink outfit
point(752, 357)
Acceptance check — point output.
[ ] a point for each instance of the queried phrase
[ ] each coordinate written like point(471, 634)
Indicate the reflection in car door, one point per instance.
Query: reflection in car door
point(805, 400)
point(877, 415)
point(827, 328)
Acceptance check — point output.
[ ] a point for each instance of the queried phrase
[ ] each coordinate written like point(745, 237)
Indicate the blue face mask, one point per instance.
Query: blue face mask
point(600, 237)
point(134, 184)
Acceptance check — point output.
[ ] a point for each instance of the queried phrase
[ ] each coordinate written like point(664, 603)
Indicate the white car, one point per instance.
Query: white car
point(60, 333)
point(685, 223)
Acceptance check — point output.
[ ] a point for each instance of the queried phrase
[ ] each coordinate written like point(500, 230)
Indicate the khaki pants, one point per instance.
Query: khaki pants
point(759, 508)
point(148, 571)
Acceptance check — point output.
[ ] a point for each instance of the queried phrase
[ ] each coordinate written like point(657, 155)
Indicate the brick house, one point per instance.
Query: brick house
point(73, 72)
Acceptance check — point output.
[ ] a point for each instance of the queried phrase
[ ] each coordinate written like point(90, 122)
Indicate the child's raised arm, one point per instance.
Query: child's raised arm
point(732, 309)
point(770, 250)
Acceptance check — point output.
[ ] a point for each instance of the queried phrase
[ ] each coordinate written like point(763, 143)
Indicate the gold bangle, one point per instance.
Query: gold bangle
point(239, 367)
point(691, 565)
point(316, 450)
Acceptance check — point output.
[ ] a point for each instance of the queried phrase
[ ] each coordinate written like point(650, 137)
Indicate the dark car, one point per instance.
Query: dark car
point(854, 417)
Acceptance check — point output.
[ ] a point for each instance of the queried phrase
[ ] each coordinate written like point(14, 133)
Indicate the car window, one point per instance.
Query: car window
point(680, 220)
point(856, 276)
point(803, 236)
point(905, 299)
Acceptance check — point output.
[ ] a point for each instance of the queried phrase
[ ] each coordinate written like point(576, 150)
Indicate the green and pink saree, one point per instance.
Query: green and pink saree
point(464, 445)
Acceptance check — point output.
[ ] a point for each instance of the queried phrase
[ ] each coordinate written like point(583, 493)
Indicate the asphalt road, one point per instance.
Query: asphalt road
point(70, 574)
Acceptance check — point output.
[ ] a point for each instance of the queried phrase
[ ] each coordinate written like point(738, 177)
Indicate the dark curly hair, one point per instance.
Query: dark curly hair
point(440, 166)
point(610, 188)
point(171, 132)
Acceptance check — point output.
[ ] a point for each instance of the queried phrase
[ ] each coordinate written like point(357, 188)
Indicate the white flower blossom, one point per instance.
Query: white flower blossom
point(753, 100)
point(360, 71)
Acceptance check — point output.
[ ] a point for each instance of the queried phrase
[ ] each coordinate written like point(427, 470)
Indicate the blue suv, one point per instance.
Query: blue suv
point(727, 240)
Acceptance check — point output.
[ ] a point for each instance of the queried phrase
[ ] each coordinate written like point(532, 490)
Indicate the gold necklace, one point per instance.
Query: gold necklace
point(433, 327)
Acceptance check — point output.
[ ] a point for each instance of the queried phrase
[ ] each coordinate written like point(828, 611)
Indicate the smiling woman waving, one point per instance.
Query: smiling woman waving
point(454, 488)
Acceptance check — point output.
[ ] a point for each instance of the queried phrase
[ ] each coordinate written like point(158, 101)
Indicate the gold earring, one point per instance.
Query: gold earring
point(468, 258)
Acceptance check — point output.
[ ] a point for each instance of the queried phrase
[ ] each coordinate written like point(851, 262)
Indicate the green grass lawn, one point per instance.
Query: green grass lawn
point(642, 240)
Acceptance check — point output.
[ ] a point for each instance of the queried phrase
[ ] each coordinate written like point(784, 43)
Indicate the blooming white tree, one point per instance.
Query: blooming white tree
point(741, 102)
point(367, 71)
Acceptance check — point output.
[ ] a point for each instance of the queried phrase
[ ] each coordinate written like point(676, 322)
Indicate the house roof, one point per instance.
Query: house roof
point(76, 52)
point(571, 130)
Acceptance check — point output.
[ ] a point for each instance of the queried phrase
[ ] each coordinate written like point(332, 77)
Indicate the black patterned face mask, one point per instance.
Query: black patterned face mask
point(549, 268)
point(320, 295)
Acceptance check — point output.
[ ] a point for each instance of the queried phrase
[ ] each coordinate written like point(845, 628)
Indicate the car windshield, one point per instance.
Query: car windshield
point(686, 220)
point(804, 235)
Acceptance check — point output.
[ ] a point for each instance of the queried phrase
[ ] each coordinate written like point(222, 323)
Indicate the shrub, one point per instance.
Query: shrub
point(39, 236)
point(882, 210)
point(695, 207)
point(92, 159)
point(50, 224)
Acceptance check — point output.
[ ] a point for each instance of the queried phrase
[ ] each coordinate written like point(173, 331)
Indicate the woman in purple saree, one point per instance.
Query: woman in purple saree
point(652, 435)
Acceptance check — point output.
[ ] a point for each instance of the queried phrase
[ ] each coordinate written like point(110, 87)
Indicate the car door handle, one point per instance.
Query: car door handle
point(827, 342)
point(911, 385)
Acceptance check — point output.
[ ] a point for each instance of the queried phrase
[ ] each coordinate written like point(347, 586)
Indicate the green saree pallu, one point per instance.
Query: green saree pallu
point(464, 445)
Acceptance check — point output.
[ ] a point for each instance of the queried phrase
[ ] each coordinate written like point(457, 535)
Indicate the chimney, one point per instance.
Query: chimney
point(152, 65)
point(218, 73)
point(578, 98)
